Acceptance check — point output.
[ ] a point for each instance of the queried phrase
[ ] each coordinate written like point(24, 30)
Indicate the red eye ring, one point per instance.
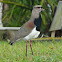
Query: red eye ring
point(39, 7)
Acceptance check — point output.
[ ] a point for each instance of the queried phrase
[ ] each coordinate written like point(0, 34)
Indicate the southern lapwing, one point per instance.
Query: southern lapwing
point(30, 29)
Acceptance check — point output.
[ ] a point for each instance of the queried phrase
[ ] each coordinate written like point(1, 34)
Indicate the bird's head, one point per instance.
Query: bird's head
point(36, 11)
point(38, 8)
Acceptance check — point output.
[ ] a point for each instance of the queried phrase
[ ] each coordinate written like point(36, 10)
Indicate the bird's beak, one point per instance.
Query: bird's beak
point(42, 9)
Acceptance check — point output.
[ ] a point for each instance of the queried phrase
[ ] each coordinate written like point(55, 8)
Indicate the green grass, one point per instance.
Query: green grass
point(44, 51)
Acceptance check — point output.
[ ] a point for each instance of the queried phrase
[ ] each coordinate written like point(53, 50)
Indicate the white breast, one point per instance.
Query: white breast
point(33, 34)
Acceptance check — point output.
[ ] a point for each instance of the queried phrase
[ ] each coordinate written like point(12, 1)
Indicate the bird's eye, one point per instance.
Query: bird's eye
point(38, 7)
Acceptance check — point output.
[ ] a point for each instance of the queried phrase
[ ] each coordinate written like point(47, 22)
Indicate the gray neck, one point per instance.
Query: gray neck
point(35, 14)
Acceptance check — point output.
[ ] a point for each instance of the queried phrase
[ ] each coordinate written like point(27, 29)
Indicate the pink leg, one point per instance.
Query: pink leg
point(26, 48)
point(31, 46)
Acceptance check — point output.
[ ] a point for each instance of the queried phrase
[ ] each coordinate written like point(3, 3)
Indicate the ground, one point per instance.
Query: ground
point(44, 51)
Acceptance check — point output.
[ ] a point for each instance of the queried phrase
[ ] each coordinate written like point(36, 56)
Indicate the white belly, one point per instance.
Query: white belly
point(33, 34)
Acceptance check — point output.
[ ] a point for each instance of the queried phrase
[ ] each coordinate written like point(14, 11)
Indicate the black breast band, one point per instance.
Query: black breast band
point(37, 22)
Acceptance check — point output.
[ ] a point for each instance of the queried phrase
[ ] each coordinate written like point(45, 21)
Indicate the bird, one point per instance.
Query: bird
point(31, 29)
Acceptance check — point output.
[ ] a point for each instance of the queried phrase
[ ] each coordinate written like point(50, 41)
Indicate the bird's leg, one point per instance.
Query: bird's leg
point(31, 46)
point(26, 48)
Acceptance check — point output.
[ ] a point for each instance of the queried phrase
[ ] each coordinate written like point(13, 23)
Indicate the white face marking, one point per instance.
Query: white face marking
point(33, 34)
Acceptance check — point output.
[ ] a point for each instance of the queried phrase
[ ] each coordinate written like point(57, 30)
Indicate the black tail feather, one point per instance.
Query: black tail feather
point(11, 43)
